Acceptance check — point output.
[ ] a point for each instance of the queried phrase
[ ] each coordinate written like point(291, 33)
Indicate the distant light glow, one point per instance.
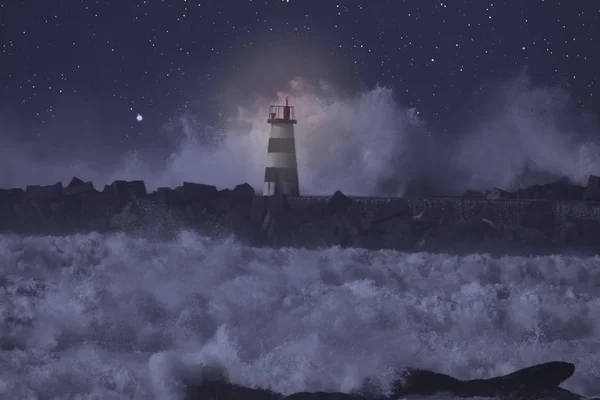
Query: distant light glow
point(139, 118)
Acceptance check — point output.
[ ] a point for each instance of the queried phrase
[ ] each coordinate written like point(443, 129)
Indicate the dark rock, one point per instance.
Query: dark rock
point(241, 198)
point(228, 391)
point(536, 382)
point(77, 186)
point(351, 229)
point(244, 191)
point(126, 190)
point(338, 203)
point(51, 192)
point(277, 206)
point(538, 377)
point(12, 196)
point(592, 190)
point(396, 209)
point(125, 219)
point(498, 224)
point(258, 209)
point(197, 192)
point(75, 181)
point(552, 191)
point(167, 197)
point(580, 232)
point(98, 224)
point(244, 229)
point(498, 194)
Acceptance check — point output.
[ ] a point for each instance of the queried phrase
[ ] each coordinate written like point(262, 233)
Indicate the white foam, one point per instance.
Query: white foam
point(363, 143)
point(111, 317)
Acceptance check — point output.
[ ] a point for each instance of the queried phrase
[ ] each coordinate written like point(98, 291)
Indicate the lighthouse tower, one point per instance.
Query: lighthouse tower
point(281, 174)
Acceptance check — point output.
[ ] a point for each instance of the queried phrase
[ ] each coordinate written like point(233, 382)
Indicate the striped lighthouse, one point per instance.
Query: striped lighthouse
point(281, 174)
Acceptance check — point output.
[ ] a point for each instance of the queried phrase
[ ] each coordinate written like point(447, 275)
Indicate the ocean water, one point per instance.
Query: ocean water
point(116, 317)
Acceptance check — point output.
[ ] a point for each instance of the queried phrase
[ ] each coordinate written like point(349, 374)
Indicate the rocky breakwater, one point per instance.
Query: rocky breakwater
point(545, 218)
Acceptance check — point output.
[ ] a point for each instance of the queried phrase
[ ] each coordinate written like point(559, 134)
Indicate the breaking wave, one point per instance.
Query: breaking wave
point(363, 143)
point(116, 317)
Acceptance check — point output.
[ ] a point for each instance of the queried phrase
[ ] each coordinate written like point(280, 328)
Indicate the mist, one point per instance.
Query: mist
point(360, 141)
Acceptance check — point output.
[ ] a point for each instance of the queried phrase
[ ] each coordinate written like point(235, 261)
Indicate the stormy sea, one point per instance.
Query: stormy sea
point(92, 316)
point(116, 317)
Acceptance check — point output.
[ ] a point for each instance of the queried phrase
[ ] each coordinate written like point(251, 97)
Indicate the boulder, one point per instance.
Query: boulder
point(197, 192)
point(126, 190)
point(561, 190)
point(498, 194)
point(592, 190)
point(536, 382)
point(51, 192)
point(241, 199)
point(406, 224)
point(167, 197)
point(338, 203)
point(77, 187)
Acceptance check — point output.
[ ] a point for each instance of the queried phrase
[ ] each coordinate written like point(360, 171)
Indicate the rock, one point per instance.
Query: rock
point(545, 376)
point(498, 194)
point(124, 220)
point(241, 226)
point(77, 186)
point(51, 192)
point(561, 190)
point(126, 190)
point(394, 233)
point(592, 190)
point(345, 230)
point(228, 391)
point(241, 199)
point(277, 206)
point(338, 203)
point(98, 224)
point(198, 192)
point(399, 208)
point(75, 181)
point(499, 223)
point(536, 382)
point(12, 195)
point(167, 197)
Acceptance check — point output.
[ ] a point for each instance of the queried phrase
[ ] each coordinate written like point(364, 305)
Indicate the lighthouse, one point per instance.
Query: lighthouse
point(281, 174)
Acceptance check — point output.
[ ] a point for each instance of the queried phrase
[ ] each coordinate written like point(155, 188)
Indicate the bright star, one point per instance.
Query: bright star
point(139, 118)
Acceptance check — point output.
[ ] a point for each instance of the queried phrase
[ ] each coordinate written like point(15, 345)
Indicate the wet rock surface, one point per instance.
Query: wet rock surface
point(536, 382)
point(544, 218)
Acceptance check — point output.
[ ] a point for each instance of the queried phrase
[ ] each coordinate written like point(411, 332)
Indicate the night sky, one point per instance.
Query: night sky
point(83, 65)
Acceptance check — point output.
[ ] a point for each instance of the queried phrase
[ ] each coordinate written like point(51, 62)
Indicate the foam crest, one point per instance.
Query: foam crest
point(121, 317)
point(361, 142)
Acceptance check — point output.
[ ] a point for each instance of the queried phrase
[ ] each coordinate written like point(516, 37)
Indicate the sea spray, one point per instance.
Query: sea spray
point(117, 317)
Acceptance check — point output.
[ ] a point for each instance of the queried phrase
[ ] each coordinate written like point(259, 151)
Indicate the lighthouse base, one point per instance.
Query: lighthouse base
point(278, 188)
point(281, 181)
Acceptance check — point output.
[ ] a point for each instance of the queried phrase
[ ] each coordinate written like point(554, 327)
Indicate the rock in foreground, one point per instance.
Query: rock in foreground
point(537, 382)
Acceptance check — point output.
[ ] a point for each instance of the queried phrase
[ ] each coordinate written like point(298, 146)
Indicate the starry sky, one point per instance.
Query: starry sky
point(68, 67)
